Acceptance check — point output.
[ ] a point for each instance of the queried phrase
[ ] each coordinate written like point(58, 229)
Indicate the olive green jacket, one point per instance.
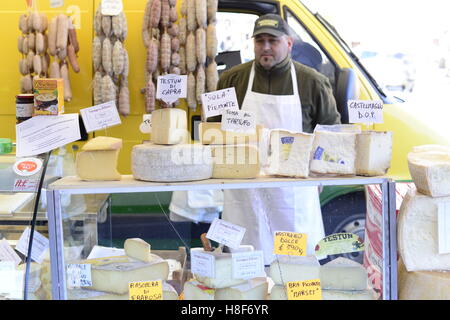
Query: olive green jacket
point(318, 103)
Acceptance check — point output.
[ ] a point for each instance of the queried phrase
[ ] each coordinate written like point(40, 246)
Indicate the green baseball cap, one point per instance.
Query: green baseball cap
point(271, 24)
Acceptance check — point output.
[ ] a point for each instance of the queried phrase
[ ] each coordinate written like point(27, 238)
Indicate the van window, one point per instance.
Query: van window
point(307, 51)
point(234, 33)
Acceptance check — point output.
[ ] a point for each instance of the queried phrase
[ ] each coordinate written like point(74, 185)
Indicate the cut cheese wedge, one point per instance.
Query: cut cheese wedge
point(334, 153)
point(294, 268)
point(169, 126)
point(212, 133)
point(253, 289)
point(138, 249)
point(235, 162)
point(343, 274)
point(289, 153)
point(102, 143)
point(182, 162)
point(417, 230)
point(97, 165)
point(373, 153)
point(194, 290)
point(115, 273)
point(430, 169)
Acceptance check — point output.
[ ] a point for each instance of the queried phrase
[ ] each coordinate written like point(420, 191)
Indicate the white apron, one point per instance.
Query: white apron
point(264, 211)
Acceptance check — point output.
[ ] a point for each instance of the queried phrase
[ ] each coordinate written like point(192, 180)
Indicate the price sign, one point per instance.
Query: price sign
point(145, 290)
point(247, 265)
point(290, 243)
point(238, 121)
point(338, 243)
point(304, 290)
point(365, 111)
point(202, 264)
point(111, 7)
point(101, 116)
point(79, 275)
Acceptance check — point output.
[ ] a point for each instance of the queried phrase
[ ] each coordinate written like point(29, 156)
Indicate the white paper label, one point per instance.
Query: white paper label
point(171, 87)
point(25, 185)
point(226, 233)
point(238, 121)
point(360, 111)
point(202, 264)
point(11, 280)
point(56, 3)
point(40, 245)
point(444, 227)
point(41, 134)
point(247, 265)
point(214, 103)
point(8, 254)
point(101, 116)
point(111, 7)
point(146, 125)
point(79, 275)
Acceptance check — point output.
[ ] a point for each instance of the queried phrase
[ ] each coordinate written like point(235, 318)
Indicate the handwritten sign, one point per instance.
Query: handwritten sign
point(214, 103)
point(202, 263)
point(171, 87)
point(79, 275)
point(444, 227)
point(101, 116)
point(111, 7)
point(360, 111)
point(290, 243)
point(39, 247)
point(238, 121)
point(145, 290)
point(226, 233)
point(338, 243)
point(304, 290)
point(247, 265)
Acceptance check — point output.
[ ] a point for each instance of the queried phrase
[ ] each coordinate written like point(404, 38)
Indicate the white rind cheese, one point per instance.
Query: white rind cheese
point(294, 268)
point(99, 165)
point(114, 274)
point(212, 133)
point(289, 153)
point(417, 230)
point(183, 162)
point(333, 153)
point(138, 249)
point(430, 171)
point(194, 290)
point(235, 161)
point(169, 126)
point(343, 274)
point(373, 153)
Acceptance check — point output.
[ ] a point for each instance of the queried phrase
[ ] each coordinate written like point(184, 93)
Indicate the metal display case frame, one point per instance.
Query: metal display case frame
point(72, 185)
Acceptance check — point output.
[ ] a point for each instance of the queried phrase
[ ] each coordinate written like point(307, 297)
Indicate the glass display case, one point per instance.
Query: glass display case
point(93, 261)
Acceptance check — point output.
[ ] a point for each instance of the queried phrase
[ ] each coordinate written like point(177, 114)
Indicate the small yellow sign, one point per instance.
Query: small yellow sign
point(145, 290)
point(304, 290)
point(290, 243)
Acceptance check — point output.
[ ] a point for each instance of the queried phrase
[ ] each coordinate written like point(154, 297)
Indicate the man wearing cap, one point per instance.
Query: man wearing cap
point(282, 94)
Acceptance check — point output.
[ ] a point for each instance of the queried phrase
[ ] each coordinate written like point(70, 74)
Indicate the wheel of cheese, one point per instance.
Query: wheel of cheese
point(162, 163)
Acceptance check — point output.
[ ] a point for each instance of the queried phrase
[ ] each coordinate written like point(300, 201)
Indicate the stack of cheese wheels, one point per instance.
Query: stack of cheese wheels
point(98, 159)
point(346, 150)
point(426, 264)
point(340, 279)
point(169, 158)
point(221, 285)
point(235, 154)
point(111, 276)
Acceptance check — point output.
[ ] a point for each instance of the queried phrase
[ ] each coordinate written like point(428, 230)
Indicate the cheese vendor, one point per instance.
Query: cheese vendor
point(282, 94)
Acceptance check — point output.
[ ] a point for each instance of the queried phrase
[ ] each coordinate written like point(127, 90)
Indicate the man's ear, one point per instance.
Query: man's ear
point(290, 42)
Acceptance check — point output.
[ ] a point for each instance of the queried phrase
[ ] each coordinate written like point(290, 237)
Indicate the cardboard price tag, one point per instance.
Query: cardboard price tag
point(338, 243)
point(226, 233)
point(111, 7)
point(101, 116)
point(360, 111)
point(238, 121)
point(304, 290)
point(290, 243)
point(145, 290)
point(171, 87)
point(214, 103)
